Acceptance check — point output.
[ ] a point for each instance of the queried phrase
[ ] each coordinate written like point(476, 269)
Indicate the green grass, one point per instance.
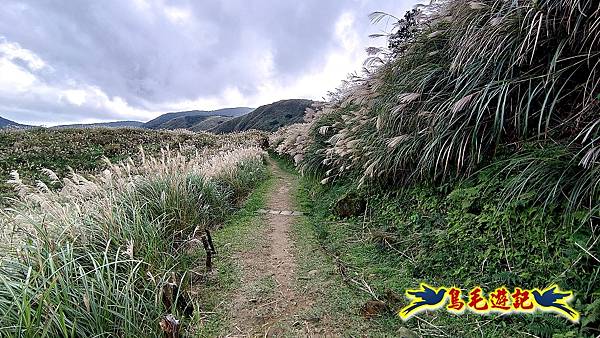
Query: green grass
point(97, 257)
point(317, 271)
point(29, 151)
point(418, 229)
point(240, 233)
point(467, 82)
point(320, 241)
point(284, 163)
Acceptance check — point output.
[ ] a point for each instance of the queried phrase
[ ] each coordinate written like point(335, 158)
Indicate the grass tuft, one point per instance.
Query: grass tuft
point(100, 255)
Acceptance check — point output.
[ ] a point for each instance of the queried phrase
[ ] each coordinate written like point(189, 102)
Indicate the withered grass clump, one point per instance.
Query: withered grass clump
point(92, 257)
point(84, 148)
point(472, 83)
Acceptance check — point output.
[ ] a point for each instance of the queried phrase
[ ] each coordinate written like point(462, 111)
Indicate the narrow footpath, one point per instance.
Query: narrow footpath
point(267, 304)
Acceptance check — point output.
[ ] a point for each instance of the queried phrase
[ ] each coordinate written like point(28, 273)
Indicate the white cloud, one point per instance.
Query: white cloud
point(318, 81)
point(74, 96)
point(20, 87)
point(345, 32)
point(14, 78)
point(22, 84)
point(178, 15)
point(13, 51)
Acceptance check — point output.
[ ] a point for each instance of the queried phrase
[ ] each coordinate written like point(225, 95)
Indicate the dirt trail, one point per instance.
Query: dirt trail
point(267, 305)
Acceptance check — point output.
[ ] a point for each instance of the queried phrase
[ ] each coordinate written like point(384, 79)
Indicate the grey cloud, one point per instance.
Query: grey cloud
point(137, 53)
point(47, 107)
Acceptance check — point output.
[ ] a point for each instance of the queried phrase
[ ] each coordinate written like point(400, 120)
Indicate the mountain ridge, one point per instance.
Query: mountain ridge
point(111, 124)
point(268, 117)
point(6, 123)
point(162, 121)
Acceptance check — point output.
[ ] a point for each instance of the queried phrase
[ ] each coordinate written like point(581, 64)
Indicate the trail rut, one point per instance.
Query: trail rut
point(267, 305)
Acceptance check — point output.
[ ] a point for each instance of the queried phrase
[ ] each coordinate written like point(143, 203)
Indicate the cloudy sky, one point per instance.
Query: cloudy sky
point(89, 60)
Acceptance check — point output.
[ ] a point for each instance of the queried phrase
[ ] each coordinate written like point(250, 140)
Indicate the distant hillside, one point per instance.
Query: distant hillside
point(183, 122)
point(269, 117)
point(178, 119)
point(4, 123)
point(210, 123)
point(114, 124)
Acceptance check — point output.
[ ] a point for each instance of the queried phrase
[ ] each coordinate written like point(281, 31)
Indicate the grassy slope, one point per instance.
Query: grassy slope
point(269, 117)
point(468, 99)
point(357, 247)
point(162, 121)
point(80, 149)
point(5, 123)
point(209, 123)
point(183, 122)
